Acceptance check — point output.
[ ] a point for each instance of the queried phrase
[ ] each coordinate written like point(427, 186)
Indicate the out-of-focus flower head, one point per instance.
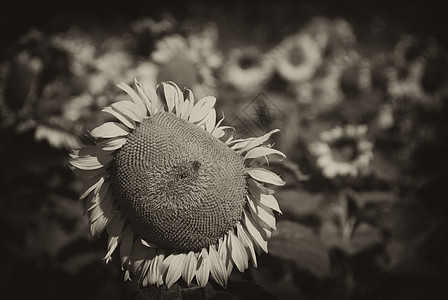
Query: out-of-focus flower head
point(248, 69)
point(176, 201)
point(343, 151)
point(322, 92)
point(81, 48)
point(107, 67)
point(332, 36)
point(190, 61)
point(355, 74)
point(409, 57)
point(297, 58)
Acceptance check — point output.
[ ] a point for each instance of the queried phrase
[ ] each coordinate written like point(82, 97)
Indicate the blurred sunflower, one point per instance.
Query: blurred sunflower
point(178, 201)
point(404, 76)
point(333, 36)
point(405, 81)
point(189, 61)
point(343, 151)
point(323, 91)
point(248, 69)
point(356, 76)
point(297, 58)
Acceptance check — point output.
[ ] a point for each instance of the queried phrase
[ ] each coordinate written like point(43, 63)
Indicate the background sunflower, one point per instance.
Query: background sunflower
point(382, 63)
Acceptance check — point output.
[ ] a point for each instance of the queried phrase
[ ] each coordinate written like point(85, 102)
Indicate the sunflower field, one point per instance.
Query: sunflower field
point(360, 98)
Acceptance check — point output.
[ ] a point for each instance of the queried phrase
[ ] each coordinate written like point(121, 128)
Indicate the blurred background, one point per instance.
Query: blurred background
point(358, 90)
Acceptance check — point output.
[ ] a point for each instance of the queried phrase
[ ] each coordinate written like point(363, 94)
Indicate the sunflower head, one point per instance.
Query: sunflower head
point(297, 58)
point(179, 201)
point(343, 151)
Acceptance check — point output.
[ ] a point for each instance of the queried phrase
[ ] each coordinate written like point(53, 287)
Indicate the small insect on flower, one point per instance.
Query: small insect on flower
point(343, 151)
point(177, 201)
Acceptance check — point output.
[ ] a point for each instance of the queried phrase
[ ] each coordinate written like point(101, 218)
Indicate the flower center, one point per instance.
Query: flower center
point(248, 61)
point(179, 69)
point(296, 56)
point(178, 186)
point(344, 150)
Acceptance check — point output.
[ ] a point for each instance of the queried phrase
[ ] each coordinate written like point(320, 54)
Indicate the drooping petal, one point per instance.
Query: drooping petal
point(262, 151)
point(239, 144)
point(237, 251)
point(92, 183)
point(255, 232)
point(257, 188)
point(175, 269)
point(262, 213)
point(266, 176)
point(139, 254)
point(270, 201)
point(224, 252)
point(121, 117)
point(203, 269)
point(217, 269)
point(110, 130)
point(114, 229)
point(247, 242)
point(154, 273)
point(189, 269)
point(127, 239)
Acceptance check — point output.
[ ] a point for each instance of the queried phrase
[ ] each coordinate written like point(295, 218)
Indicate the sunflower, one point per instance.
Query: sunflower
point(343, 151)
point(190, 61)
point(355, 74)
point(297, 58)
point(176, 200)
point(323, 91)
point(247, 69)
